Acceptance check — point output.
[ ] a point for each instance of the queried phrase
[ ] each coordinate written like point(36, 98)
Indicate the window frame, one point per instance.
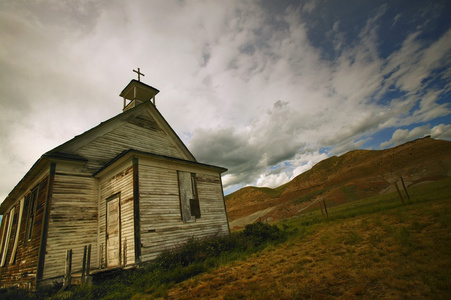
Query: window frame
point(12, 259)
point(5, 222)
point(5, 244)
point(188, 197)
point(32, 200)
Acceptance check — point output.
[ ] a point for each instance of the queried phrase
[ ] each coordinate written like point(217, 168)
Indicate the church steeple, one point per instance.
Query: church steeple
point(137, 92)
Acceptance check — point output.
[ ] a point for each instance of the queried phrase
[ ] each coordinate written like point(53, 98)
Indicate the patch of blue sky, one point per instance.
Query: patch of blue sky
point(437, 121)
point(402, 18)
point(445, 98)
point(232, 189)
point(288, 164)
point(285, 166)
point(342, 22)
point(392, 93)
point(391, 73)
point(337, 23)
point(325, 150)
point(275, 167)
point(437, 79)
point(414, 108)
point(374, 140)
point(436, 19)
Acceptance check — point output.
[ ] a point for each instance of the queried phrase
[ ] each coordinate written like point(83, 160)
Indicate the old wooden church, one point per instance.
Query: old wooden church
point(129, 187)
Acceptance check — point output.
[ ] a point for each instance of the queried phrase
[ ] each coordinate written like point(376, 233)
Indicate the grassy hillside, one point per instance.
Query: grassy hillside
point(372, 248)
point(354, 175)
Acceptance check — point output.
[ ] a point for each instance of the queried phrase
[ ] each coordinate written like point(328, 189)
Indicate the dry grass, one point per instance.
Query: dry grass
point(403, 252)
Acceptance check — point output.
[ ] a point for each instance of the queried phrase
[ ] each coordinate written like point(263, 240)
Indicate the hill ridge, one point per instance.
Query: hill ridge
point(350, 176)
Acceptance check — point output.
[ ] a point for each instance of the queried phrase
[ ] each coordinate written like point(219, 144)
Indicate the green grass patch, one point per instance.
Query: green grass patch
point(171, 267)
point(435, 191)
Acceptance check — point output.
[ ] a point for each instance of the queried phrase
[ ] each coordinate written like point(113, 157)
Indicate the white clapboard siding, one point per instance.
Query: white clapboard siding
point(161, 224)
point(120, 181)
point(72, 222)
point(124, 137)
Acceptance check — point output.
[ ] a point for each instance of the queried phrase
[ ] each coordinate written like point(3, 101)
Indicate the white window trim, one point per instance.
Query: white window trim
point(8, 235)
point(16, 238)
point(5, 221)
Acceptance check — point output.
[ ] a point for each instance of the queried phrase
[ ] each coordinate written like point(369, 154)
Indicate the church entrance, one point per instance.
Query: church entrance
point(113, 231)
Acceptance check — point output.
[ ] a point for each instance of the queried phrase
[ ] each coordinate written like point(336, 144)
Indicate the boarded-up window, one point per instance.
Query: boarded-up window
point(189, 201)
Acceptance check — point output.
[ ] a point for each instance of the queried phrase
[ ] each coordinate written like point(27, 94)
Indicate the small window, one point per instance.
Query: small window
point(32, 200)
point(189, 201)
point(5, 243)
point(5, 221)
point(16, 237)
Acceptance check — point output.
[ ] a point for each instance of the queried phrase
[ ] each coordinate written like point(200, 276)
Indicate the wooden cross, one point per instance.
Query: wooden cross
point(139, 74)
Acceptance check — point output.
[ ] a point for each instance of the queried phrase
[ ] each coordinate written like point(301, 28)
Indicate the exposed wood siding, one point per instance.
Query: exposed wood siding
point(21, 271)
point(73, 221)
point(141, 134)
point(113, 228)
point(161, 224)
point(119, 180)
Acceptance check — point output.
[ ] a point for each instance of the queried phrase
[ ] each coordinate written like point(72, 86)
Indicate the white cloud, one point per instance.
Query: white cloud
point(401, 136)
point(305, 162)
point(245, 88)
point(272, 180)
point(441, 131)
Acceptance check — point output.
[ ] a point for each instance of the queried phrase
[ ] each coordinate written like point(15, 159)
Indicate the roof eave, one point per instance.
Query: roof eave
point(131, 153)
point(38, 166)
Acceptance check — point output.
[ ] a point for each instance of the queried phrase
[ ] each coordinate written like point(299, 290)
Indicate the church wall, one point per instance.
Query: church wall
point(20, 251)
point(161, 225)
point(119, 180)
point(73, 220)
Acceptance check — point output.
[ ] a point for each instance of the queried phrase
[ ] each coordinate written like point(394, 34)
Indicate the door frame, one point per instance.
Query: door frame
point(109, 199)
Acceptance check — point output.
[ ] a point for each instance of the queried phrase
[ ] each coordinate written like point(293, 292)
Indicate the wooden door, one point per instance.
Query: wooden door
point(113, 232)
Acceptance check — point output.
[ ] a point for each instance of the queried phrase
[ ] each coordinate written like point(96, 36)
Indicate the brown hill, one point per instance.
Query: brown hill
point(351, 176)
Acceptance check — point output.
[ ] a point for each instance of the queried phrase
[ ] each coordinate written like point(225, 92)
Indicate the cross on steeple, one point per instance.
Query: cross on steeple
point(139, 74)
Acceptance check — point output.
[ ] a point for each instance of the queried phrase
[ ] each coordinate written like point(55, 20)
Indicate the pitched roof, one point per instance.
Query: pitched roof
point(66, 151)
point(68, 147)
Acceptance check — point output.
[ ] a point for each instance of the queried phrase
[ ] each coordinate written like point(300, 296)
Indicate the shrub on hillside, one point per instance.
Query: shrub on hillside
point(259, 233)
point(200, 250)
point(14, 293)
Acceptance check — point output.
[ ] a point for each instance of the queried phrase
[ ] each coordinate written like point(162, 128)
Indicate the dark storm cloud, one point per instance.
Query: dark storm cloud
point(259, 87)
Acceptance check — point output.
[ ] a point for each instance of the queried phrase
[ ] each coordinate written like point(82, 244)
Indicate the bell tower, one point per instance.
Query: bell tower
point(137, 92)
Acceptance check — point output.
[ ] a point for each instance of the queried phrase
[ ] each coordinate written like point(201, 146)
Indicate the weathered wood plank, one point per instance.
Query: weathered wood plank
point(72, 222)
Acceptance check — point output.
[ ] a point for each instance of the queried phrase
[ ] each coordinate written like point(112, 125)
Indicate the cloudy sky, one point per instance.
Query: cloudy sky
point(264, 88)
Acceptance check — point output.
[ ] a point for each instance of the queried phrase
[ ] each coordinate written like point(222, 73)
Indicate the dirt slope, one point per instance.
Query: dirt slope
point(351, 176)
point(396, 254)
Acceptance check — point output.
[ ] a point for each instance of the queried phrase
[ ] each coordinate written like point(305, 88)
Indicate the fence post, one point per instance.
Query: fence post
point(405, 189)
point(125, 252)
point(399, 193)
point(325, 208)
point(67, 276)
point(83, 267)
point(102, 261)
point(88, 262)
point(321, 206)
